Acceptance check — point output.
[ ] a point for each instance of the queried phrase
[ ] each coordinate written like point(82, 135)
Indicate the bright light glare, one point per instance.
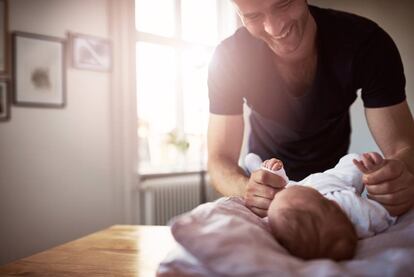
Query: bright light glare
point(195, 102)
point(156, 96)
point(156, 85)
point(166, 103)
point(155, 16)
point(229, 20)
point(199, 21)
point(195, 91)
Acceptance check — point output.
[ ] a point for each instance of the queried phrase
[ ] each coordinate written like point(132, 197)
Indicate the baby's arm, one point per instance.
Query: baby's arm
point(370, 162)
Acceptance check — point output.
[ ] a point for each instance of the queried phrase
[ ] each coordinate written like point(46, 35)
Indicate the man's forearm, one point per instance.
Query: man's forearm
point(227, 177)
point(407, 157)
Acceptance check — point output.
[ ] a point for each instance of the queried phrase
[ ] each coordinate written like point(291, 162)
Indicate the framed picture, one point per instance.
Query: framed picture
point(3, 38)
point(90, 53)
point(39, 70)
point(4, 100)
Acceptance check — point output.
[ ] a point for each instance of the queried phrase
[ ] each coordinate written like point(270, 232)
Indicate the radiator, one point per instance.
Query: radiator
point(164, 198)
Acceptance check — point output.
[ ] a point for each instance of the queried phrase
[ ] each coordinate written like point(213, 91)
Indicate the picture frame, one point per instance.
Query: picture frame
point(90, 52)
point(4, 100)
point(39, 77)
point(4, 41)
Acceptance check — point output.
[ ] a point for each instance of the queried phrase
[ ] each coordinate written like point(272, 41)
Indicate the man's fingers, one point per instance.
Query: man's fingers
point(259, 196)
point(267, 178)
point(259, 212)
point(396, 193)
point(259, 202)
point(397, 209)
point(384, 188)
point(397, 198)
point(391, 170)
point(265, 191)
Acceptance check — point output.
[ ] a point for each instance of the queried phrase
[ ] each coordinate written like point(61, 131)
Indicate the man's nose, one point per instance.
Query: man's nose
point(272, 26)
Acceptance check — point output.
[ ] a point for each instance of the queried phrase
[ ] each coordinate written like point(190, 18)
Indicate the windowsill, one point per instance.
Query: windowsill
point(147, 176)
point(148, 173)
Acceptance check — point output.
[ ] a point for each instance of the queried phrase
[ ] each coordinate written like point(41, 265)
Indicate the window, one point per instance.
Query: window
point(174, 43)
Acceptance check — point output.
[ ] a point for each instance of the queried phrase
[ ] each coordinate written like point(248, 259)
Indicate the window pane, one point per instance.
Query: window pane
point(195, 98)
point(195, 95)
point(156, 96)
point(155, 16)
point(199, 21)
point(229, 19)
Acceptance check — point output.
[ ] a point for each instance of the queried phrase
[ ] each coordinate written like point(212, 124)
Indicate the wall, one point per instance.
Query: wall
point(56, 165)
point(396, 18)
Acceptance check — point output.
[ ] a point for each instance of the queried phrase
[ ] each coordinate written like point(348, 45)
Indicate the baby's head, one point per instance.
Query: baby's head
point(311, 226)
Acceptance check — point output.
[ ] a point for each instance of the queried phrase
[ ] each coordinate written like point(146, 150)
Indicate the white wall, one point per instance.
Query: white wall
point(396, 18)
point(56, 165)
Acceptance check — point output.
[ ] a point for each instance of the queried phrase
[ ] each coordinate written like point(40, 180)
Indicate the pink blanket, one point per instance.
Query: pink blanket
point(224, 238)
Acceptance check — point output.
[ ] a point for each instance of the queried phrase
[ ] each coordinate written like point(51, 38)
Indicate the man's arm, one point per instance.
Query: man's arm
point(225, 137)
point(393, 130)
point(224, 141)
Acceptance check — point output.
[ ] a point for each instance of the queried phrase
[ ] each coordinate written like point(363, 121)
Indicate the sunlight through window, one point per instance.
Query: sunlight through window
point(198, 21)
point(171, 79)
point(156, 82)
point(155, 16)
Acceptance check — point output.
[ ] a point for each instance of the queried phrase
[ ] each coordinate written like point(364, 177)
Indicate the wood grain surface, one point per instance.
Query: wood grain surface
point(121, 250)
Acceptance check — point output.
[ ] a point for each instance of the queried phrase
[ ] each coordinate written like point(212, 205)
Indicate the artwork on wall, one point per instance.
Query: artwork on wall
point(3, 38)
point(90, 53)
point(38, 70)
point(4, 101)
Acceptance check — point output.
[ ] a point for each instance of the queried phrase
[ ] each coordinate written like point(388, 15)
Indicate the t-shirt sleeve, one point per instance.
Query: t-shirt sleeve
point(379, 71)
point(223, 86)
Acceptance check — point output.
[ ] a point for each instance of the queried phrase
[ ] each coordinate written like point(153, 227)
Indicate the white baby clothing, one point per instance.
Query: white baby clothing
point(344, 185)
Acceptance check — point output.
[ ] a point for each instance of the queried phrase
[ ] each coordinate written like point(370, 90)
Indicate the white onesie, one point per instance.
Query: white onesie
point(344, 185)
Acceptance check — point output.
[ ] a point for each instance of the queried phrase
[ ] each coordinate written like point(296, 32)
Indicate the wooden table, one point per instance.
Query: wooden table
point(121, 250)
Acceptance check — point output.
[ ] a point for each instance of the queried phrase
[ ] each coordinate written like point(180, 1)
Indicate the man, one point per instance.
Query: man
point(298, 69)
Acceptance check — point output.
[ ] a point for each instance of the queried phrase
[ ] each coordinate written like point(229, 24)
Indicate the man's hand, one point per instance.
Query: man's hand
point(390, 184)
point(261, 189)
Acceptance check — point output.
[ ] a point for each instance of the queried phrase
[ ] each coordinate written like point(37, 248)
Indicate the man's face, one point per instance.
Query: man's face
point(280, 23)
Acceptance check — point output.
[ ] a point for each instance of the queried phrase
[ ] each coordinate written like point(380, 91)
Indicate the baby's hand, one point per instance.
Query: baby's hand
point(370, 162)
point(273, 164)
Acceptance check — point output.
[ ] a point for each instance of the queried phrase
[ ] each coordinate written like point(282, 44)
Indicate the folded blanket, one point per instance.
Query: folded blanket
point(224, 238)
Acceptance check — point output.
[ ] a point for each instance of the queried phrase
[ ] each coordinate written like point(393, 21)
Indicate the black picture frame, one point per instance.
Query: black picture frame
point(4, 99)
point(4, 38)
point(39, 70)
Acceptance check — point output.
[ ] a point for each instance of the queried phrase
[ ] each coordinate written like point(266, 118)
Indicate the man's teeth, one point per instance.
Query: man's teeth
point(283, 35)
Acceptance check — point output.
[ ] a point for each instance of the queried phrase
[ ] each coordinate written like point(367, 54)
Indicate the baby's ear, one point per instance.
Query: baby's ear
point(344, 249)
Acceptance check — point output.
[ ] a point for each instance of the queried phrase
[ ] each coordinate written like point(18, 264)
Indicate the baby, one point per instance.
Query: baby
point(311, 226)
point(323, 215)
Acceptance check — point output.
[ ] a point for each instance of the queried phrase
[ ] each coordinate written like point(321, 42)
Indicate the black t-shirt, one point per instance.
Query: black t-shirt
point(309, 133)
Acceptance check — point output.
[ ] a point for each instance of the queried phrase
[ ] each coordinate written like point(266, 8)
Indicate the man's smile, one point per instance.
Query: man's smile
point(282, 36)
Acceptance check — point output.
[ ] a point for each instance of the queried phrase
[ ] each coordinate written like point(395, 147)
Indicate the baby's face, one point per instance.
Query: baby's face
point(311, 226)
